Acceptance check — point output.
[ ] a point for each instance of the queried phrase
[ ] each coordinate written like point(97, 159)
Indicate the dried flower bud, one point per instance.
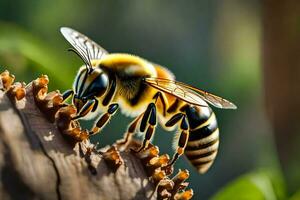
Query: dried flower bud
point(185, 195)
point(158, 175)
point(16, 92)
point(165, 184)
point(179, 183)
point(149, 153)
point(48, 103)
point(181, 176)
point(7, 80)
point(164, 194)
point(112, 158)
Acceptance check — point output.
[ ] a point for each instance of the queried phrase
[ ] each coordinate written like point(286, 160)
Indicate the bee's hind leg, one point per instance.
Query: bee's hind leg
point(184, 135)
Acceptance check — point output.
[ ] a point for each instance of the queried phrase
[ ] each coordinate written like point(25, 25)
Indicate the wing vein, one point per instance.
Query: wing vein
point(189, 93)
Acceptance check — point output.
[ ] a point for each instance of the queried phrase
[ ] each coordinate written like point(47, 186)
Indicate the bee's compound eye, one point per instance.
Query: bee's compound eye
point(98, 85)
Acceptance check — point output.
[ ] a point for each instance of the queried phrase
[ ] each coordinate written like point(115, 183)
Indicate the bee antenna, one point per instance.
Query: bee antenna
point(82, 58)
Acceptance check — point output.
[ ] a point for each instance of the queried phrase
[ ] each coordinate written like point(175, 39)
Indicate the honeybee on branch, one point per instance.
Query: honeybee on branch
point(108, 82)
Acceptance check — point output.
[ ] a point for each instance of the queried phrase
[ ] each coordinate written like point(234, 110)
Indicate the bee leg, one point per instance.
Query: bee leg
point(95, 106)
point(163, 100)
point(130, 131)
point(102, 121)
point(183, 139)
point(148, 136)
point(174, 120)
point(149, 118)
point(67, 94)
point(85, 109)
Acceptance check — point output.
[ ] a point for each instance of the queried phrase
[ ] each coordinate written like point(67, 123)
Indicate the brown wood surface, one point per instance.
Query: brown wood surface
point(36, 162)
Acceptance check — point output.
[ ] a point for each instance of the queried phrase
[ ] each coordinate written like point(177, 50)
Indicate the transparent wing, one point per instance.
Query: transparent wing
point(189, 93)
point(87, 48)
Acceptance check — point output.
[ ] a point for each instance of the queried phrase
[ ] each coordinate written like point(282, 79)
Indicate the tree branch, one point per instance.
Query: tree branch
point(45, 155)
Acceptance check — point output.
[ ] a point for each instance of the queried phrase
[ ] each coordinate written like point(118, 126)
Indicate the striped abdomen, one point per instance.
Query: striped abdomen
point(203, 142)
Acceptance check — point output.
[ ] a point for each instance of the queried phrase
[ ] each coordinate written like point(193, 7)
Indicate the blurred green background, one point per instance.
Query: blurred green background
point(218, 46)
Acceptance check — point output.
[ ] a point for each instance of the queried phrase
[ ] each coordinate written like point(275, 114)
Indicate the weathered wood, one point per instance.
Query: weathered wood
point(36, 162)
point(44, 154)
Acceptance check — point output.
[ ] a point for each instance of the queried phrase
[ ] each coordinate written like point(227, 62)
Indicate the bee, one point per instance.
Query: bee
point(108, 82)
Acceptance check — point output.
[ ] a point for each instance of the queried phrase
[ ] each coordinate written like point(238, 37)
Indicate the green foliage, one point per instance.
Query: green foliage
point(33, 56)
point(254, 186)
point(296, 196)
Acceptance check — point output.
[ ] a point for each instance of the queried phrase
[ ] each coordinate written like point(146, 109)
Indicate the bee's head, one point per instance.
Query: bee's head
point(89, 85)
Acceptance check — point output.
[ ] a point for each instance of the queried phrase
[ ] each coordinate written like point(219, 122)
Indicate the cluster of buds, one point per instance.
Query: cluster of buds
point(113, 158)
point(14, 90)
point(159, 171)
point(48, 103)
point(51, 104)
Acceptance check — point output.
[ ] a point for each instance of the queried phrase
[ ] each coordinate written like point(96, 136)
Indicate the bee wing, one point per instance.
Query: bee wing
point(189, 93)
point(83, 45)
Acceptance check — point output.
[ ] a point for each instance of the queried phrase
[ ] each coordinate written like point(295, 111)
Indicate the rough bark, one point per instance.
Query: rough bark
point(38, 162)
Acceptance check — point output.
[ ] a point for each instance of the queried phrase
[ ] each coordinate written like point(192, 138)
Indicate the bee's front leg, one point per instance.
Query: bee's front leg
point(89, 106)
point(67, 94)
point(102, 121)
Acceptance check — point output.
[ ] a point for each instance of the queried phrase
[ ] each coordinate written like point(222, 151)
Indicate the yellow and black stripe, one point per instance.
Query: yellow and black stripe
point(203, 142)
point(203, 133)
